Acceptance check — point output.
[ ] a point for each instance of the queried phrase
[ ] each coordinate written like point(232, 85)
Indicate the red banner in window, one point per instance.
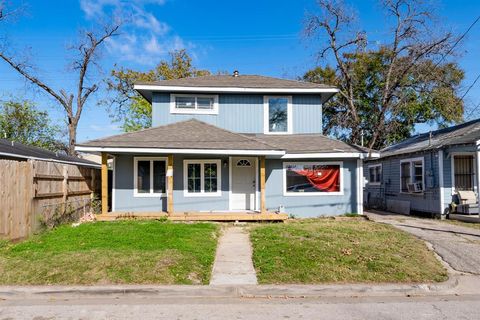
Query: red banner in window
point(324, 178)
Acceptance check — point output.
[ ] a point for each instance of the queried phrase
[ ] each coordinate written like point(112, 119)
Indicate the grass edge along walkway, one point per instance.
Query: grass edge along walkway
point(346, 250)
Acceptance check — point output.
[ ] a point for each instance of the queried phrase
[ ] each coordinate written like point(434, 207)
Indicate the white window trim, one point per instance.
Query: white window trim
point(452, 156)
point(312, 194)
point(202, 163)
point(136, 194)
point(266, 117)
point(411, 160)
point(175, 110)
point(375, 166)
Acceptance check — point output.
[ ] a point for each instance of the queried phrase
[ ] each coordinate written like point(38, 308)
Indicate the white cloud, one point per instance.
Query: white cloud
point(144, 38)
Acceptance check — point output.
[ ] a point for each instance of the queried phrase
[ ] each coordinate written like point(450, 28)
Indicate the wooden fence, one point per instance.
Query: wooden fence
point(34, 193)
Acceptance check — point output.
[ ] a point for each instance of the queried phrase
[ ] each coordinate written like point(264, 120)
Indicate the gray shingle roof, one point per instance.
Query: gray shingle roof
point(306, 143)
point(468, 132)
point(241, 81)
point(195, 134)
point(190, 134)
point(21, 151)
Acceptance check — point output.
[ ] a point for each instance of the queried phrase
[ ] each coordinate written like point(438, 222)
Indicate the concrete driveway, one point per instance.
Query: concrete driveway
point(458, 246)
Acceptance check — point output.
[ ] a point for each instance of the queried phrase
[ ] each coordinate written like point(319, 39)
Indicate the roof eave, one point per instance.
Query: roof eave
point(146, 90)
point(329, 155)
point(79, 163)
point(94, 149)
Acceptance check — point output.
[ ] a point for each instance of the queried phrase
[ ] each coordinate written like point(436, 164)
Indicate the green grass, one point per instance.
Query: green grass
point(140, 252)
point(347, 250)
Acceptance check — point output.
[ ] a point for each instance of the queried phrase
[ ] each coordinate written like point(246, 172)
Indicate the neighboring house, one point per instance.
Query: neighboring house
point(38, 187)
point(424, 174)
point(11, 150)
point(230, 144)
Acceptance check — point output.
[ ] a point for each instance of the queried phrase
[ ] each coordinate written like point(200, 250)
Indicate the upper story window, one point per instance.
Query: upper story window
point(412, 175)
point(193, 104)
point(277, 114)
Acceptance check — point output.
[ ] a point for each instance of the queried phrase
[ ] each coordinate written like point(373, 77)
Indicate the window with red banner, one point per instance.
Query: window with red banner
point(313, 178)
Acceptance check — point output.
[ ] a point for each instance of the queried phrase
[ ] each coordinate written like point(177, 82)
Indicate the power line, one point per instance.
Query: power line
point(457, 42)
point(472, 111)
point(471, 86)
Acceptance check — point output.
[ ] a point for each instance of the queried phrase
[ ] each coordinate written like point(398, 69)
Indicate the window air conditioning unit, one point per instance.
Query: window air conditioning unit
point(415, 187)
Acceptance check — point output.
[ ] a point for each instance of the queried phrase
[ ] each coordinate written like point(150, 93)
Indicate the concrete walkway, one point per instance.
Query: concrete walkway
point(458, 246)
point(233, 261)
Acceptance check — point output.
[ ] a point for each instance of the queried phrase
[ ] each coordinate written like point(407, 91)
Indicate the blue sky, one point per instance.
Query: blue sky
point(255, 37)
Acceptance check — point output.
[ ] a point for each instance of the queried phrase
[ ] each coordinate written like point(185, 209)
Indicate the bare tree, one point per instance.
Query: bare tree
point(72, 102)
point(415, 43)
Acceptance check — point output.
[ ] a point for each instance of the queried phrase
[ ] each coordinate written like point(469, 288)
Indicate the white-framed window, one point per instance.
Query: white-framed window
point(277, 111)
point(202, 178)
point(312, 178)
point(463, 171)
point(193, 103)
point(149, 176)
point(412, 175)
point(375, 174)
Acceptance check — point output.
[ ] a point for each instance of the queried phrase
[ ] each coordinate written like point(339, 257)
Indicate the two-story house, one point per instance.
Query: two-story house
point(233, 147)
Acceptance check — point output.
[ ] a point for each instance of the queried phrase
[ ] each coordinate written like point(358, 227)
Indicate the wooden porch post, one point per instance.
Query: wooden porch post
point(262, 185)
point(170, 184)
point(104, 183)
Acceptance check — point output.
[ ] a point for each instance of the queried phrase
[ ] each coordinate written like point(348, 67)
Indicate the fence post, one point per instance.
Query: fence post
point(65, 187)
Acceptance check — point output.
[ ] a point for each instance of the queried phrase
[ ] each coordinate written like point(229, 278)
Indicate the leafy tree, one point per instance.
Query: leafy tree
point(85, 59)
point(385, 91)
point(20, 121)
point(131, 109)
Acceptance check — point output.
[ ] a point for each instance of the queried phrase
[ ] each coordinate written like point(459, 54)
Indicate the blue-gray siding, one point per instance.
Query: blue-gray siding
point(302, 206)
point(311, 206)
point(428, 201)
point(244, 113)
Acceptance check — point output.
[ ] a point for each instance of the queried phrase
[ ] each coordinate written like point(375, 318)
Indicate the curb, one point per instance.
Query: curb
point(247, 291)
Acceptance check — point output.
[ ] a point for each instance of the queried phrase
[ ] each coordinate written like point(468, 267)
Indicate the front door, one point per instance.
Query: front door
point(243, 183)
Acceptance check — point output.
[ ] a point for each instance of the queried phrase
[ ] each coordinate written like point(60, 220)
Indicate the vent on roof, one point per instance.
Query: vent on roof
point(236, 73)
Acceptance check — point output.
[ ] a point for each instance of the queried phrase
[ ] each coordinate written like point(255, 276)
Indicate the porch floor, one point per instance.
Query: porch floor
point(195, 216)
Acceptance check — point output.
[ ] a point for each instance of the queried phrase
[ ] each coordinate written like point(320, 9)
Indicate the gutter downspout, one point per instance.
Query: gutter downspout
point(441, 181)
point(360, 186)
point(478, 177)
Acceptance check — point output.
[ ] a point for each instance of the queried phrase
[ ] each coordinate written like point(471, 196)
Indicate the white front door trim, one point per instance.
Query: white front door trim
point(231, 163)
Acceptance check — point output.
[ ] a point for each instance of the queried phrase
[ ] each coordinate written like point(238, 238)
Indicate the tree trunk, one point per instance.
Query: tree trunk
point(72, 137)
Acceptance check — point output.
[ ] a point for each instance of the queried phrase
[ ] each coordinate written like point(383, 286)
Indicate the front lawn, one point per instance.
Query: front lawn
point(347, 250)
point(140, 252)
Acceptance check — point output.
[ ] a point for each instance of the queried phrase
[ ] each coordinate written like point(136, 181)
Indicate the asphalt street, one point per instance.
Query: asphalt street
point(439, 307)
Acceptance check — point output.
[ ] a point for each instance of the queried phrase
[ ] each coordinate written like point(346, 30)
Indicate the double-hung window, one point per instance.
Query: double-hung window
point(277, 114)
point(375, 174)
point(412, 175)
point(202, 178)
point(150, 176)
point(192, 104)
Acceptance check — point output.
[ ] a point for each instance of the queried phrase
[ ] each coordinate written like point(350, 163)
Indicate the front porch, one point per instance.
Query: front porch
point(254, 210)
point(195, 216)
